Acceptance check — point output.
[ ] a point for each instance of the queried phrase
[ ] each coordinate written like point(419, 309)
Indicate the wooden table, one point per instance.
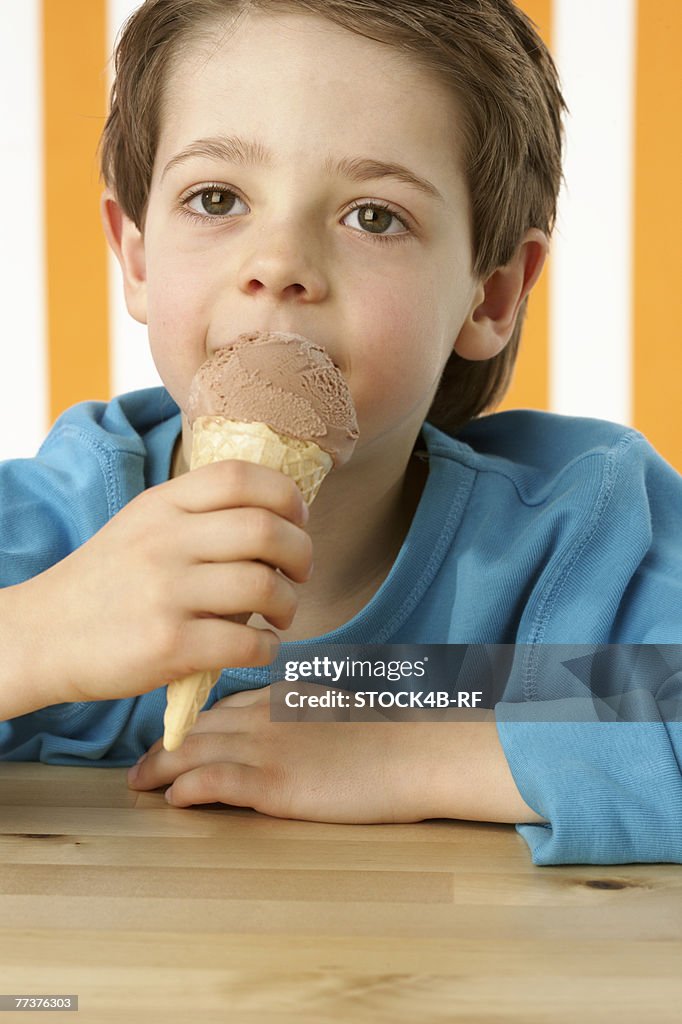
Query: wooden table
point(151, 913)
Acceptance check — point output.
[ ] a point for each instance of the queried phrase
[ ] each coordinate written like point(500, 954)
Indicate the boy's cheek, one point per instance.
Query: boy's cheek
point(177, 349)
point(404, 357)
point(390, 392)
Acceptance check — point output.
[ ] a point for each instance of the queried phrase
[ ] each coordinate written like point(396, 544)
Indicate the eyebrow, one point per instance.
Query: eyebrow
point(241, 151)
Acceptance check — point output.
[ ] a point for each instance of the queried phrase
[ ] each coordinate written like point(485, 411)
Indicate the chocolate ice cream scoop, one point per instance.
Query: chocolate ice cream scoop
point(283, 380)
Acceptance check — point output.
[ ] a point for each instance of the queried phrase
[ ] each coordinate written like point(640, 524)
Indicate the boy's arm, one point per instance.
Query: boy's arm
point(25, 684)
point(352, 772)
point(154, 595)
point(599, 750)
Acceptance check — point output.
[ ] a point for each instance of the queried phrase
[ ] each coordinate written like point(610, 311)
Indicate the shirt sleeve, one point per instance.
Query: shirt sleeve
point(600, 757)
point(610, 792)
point(51, 503)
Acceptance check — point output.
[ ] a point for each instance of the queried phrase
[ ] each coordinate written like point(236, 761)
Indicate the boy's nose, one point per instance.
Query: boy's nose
point(284, 271)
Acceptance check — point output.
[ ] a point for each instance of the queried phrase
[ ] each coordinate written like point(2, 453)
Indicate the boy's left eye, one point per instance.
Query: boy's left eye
point(377, 219)
point(215, 202)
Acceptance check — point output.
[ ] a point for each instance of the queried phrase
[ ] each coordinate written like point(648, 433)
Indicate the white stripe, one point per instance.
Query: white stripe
point(131, 364)
point(23, 381)
point(591, 266)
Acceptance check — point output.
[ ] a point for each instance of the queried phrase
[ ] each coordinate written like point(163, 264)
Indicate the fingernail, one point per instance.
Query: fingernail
point(305, 514)
point(133, 773)
point(141, 759)
point(168, 795)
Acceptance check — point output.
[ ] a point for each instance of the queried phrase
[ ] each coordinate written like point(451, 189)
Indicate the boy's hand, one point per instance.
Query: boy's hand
point(317, 770)
point(148, 598)
point(338, 771)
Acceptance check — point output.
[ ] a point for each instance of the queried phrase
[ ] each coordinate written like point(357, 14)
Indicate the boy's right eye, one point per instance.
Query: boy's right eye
point(214, 202)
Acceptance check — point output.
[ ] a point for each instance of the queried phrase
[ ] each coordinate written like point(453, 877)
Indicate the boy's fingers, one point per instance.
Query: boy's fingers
point(205, 723)
point(232, 535)
point(202, 747)
point(234, 483)
point(229, 783)
point(240, 587)
point(212, 643)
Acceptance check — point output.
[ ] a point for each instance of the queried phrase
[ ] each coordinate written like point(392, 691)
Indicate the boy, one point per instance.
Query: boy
point(382, 179)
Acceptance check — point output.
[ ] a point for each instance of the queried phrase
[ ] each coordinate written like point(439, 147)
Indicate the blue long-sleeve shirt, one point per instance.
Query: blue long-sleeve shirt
point(533, 529)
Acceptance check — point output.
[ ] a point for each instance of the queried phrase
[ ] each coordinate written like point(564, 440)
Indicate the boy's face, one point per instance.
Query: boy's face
point(263, 235)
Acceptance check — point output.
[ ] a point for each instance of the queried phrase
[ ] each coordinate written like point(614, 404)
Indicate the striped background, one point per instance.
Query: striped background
point(603, 336)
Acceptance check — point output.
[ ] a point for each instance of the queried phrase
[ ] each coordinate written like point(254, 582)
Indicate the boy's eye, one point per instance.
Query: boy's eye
point(377, 219)
point(215, 202)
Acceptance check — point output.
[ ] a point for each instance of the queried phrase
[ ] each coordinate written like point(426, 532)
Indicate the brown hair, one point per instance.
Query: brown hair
point(508, 92)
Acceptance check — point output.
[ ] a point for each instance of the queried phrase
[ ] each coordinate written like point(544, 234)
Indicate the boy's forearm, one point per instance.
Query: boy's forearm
point(24, 682)
point(471, 776)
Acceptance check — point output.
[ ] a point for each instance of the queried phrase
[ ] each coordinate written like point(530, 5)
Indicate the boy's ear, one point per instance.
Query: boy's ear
point(493, 314)
point(127, 244)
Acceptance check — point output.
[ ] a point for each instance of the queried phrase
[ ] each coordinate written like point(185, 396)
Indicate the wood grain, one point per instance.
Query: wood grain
point(152, 913)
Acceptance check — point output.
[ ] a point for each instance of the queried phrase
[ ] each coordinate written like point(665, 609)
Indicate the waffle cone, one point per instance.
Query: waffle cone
point(215, 438)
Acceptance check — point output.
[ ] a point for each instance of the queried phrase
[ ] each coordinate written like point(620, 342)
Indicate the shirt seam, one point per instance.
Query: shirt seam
point(471, 459)
point(445, 540)
point(105, 457)
point(614, 460)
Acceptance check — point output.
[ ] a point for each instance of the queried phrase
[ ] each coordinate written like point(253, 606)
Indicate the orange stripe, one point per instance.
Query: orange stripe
point(530, 385)
point(657, 357)
point(74, 95)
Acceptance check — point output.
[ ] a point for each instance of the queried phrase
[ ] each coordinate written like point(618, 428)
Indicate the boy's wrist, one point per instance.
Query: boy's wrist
point(467, 776)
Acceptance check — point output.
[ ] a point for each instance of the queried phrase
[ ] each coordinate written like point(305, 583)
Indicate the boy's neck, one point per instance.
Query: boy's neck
point(358, 524)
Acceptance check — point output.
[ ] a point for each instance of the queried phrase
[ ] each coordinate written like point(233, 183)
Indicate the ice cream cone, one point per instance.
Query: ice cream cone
point(215, 438)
